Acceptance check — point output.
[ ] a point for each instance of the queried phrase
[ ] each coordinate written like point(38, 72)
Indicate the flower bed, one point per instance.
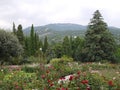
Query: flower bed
point(61, 77)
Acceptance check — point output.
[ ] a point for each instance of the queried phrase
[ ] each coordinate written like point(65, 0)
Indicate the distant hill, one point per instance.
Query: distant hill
point(57, 27)
point(56, 32)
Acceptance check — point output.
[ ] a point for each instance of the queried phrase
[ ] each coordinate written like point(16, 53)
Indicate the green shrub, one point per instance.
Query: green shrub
point(62, 60)
point(29, 69)
point(17, 79)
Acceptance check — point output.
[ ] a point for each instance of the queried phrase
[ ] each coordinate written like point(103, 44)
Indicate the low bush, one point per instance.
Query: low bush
point(62, 60)
point(17, 80)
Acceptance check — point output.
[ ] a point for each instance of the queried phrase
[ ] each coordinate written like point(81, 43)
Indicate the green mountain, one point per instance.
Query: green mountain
point(56, 32)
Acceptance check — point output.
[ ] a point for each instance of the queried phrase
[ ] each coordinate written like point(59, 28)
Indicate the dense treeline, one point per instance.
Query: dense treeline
point(97, 45)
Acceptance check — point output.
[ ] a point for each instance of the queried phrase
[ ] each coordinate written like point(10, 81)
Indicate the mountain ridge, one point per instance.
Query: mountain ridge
point(59, 30)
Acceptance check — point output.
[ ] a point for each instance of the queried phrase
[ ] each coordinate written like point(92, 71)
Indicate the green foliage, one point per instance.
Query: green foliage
point(77, 46)
point(62, 60)
point(70, 47)
point(117, 54)
point(45, 45)
point(27, 46)
point(32, 39)
point(17, 80)
point(58, 50)
point(99, 42)
point(9, 47)
point(66, 46)
point(14, 29)
point(33, 59)
point(32, 43)
point(29, 69)
point(37, 42)
point(20, 34)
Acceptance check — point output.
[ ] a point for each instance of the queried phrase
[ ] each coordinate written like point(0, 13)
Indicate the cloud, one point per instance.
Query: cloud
point(41, 12)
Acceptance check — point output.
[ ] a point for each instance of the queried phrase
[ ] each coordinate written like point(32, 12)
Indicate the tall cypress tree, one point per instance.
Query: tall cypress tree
point(37, 46)
point(20, 34)
point(14, 29)
point(45, 46)
point(32, 40)
point(99, 42)
point(27, 46)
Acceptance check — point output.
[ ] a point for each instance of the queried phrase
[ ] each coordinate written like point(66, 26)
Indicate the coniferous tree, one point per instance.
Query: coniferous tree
point(32, 40)
point(58, 50)
point(20, 34)
point(37, 46)
point(66, 46)
point(99, 42)
point(14, 29)
point(45, 46)
point(79, 43)
point(27, 46)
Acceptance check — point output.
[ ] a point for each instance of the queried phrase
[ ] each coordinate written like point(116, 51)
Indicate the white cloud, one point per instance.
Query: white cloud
point(41, 12)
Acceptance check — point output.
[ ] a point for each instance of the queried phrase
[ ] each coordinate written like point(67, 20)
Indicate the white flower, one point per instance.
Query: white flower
point(114, 78)
point(40, 49)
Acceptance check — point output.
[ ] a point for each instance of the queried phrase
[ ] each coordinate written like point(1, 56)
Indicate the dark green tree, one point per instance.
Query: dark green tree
point(14, 29)
point(27, 46)
point(58, 50)
point(46, 45)
point(37, 42)
point(32, 40)
point(9, 47)
point(20, 34)
point(79, 44)
point(66, 46)
point(99, 42)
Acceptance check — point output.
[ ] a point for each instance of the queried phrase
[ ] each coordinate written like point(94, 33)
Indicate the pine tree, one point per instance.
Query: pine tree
point(99, 42)
point(20, 34)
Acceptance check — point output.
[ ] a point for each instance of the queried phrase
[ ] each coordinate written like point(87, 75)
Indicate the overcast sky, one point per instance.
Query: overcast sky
point(42, 12)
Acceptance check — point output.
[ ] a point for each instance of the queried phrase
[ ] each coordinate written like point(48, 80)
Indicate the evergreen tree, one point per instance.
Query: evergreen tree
point(14, 29)
point(27, 46)
point(79, 42)
point(37, 46)
point(32, 40)
point(99, 42)
point(58, 50)
point(76, 45)
point(66, 46)
point(20, 34)
point(45, 46)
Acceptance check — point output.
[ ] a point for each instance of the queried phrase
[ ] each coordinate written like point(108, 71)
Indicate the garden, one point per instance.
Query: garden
point(61, 74)
point(91, 62)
